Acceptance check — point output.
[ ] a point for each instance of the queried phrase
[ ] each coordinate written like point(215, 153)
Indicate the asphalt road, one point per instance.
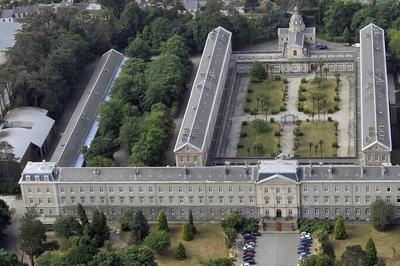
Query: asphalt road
point(276, 250)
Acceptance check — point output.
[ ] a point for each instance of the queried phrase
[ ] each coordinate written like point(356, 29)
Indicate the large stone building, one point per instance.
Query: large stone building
point(279, 188)
point(195, 135)
point(375, 118)
point(274, 188)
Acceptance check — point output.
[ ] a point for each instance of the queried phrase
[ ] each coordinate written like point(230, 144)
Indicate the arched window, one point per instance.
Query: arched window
point(295, 53)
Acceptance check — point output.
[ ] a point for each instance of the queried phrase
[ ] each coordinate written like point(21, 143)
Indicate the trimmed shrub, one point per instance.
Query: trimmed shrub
point(244, 123)
point(248, 99)
point(277, 134)
point(302, 98)
point(249, 90)
point(187, 232)
point(239, 145)
point(243, 134)
point(339, 232)
point(303, 80)
point(335, 145)
point(329, 119)
point(272, 120)
point(180, 253)
point(283, 109)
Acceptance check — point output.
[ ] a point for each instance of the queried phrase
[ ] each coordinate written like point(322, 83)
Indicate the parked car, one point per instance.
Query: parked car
point(249, 254)
point(248, 236)
point(256, 233)
point(357, 45)
point(251, 262)
point(245, 264)
point(249, 249)
point(303, 250)
point(246, 259)
point(307, 244)
point(251, 243)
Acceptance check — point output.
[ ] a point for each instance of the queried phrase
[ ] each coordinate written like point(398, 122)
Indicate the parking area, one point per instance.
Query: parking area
point(275, 250)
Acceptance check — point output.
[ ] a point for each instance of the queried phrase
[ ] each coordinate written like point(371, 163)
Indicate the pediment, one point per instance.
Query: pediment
point(277, 179)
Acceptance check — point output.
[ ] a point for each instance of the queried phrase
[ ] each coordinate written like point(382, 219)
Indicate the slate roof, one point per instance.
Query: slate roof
point(375, 119)
point(289, 168)
point(202, 102)
point(349, 173)
point(83, 117)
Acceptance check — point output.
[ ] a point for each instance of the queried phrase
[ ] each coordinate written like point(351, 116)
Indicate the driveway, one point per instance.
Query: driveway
point(276, 250)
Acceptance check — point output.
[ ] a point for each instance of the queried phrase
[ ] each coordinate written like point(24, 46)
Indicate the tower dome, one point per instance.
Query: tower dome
point(296, 22)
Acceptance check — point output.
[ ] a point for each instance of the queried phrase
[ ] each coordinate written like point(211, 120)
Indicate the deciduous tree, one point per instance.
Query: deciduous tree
point(382, 214)
point(162, 223)
point(355, 256)
point(158, 241)
point(67, 226)
point(339, 232)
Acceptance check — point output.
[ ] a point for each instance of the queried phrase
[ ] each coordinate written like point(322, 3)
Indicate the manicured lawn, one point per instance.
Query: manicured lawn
point(208, 242)
point(312, 133)
point(318, 95)
point(384, 241)
point(257, 139)
point(268, 90)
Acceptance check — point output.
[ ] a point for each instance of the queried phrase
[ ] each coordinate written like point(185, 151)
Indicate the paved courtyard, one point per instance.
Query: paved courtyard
point(345, 116)
point(276, 250)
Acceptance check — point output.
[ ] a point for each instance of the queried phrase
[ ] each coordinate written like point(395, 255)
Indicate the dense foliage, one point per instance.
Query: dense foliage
point(382, 214)
point(339, 232)
point(355, 256)
point(158, 241)
point(5, 216)
point(67, 226)
point(180, 253)
point(311, 226)
point(320, 259)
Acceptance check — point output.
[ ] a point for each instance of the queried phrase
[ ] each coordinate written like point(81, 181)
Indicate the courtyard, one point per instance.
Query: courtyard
point(333, 120)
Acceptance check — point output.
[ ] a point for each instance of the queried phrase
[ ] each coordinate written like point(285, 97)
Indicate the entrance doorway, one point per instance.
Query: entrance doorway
point(278, 213)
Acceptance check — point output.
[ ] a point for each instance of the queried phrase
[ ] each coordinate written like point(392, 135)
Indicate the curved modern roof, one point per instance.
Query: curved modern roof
point(23, 126)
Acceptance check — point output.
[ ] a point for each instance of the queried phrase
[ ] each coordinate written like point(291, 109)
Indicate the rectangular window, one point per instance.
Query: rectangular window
point(201, 200)
point(315, 189)
point(367, 211)
point(211, 200)
point(112, 200)
point(38, 190)
point(326, 189)
point(171, 200)
point(191, 201)
point(337, 211)
point(210, 189)
point(49, 201)
point(316, 199)
point(289, 190)
point(306, 211)
point(398, 199)
point(62, 189)
point(347, 189)
point(92, 200)
point(190, 189)
point(250, 189)
point(367, 199)
point(388, 199)
point(277, 190)
point(326, 211)
point(111, 189)
point(47, 190)
point(73, 200)
point(388, 188)
point(141, 200)
point(150, 189)
point(305, 199)
point(220, 189)
point(83, 200)
point(81, 190)
point(121, 190)
point(151, 200)
point(140, 189)
point(101, 189)
point(367, 189)
point(326, 199)
point(91, 189)
point(357, 188)
point(230, 189)
point(316, 211)
point(130, 189)
point(357, 199)
point(160, 189)
point(251, 199)
point(102, 200)
point(358, 212)
point(336, 188)
point(131, 200)
point(305, 189)
point(122, 200)
point(62, 199)
point(170, 189)
point(241, 189)
point(161, 200)
point(241, 200)
point(231, 201)
point(181, 200)
point(347, 199)
point(180, 189)
point(201, 189)
point(221, 200)
point(29, 190)
point(378, 188)
point(336, 199)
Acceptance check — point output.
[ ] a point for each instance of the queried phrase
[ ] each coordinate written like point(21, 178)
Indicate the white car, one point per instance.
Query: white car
point(245, 264)
point(357, 45)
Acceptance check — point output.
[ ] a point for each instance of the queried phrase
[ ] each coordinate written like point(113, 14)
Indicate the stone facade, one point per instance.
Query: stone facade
point(271, 189)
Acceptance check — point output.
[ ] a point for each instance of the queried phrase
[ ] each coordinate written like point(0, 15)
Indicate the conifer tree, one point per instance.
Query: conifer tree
point(162, 223)
point(82, 215)
point(180, 253)
point(370, 249)
point(339, 231)
point(187, 232)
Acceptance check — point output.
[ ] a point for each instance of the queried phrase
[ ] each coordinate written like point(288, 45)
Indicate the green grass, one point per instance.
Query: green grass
point(209, 242)
point(271, 90)
point(384, 241)
point(322, 89)
point(313, 133)
point(257, 139)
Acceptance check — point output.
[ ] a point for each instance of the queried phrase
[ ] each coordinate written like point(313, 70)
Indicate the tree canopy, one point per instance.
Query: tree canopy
point(382, 214)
